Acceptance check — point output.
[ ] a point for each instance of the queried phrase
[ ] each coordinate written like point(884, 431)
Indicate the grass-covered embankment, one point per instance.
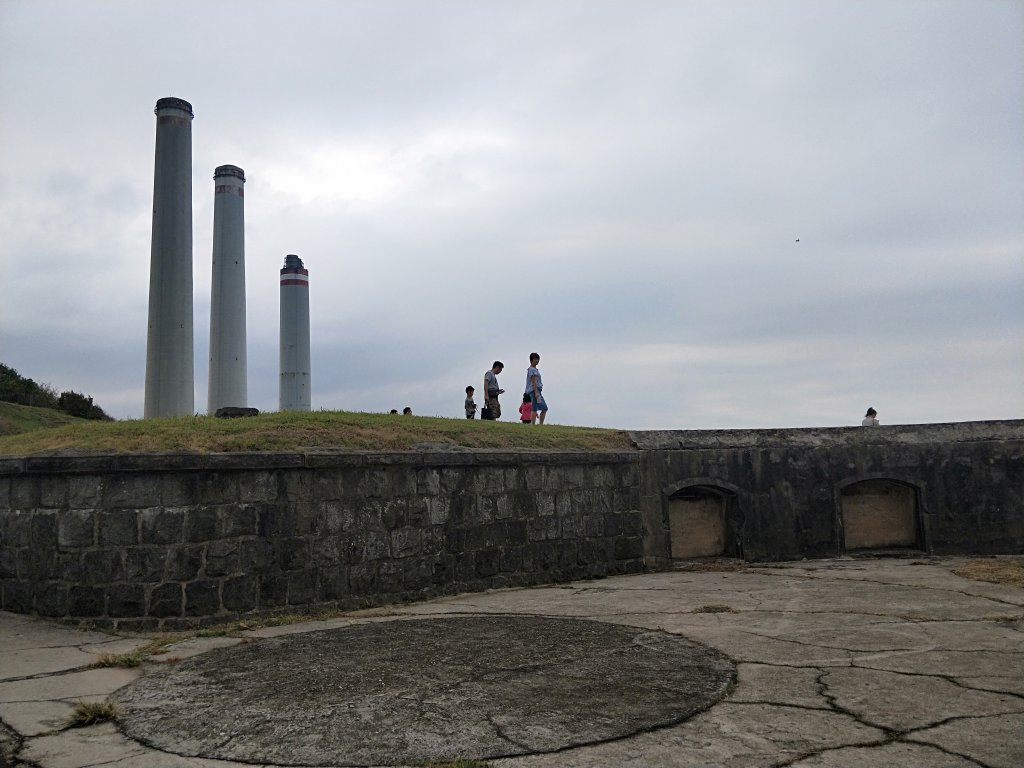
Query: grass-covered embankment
point(304, 431)
point(15, 419)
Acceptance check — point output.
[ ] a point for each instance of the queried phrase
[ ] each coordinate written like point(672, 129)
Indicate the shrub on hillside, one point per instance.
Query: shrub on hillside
point(81, 406)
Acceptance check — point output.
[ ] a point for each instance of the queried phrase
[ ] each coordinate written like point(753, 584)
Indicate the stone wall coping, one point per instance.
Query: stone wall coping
point(823, 437)
point(314, 459)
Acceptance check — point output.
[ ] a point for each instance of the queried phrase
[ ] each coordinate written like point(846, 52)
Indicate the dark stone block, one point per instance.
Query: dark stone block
point(119, 526)
point(487, 562)
point(235, 412)
point(145, 564)
point(389, 577)
point(202, 598)
point(443, 570)
point(162, 526)
point(223, 557)
point(53, 492)
point(179, 489)
point(465, 567)
point(543, 528)
point(236, 521)
point(76, 528)
point(102, 566)
point(593, 525)
point(53, 600)
point(511, 559)
point(37, 564)
point(15, 528)
point(302, 587)
point(166, 600)
point(632, 523)
point(24, 492)
point(184, 562)
point(297, 486)
point(270, 520)
point(362, 579)
point(201, 524)
point(258, 487)
point(273, 591)
point(417, 573)
point(240, 593)
point(131, 491)
point(255, 555)
point(85, 602)
point(406, 542)
point(84, 492)
point(291, 554)
point(8, 563)
point(218, 488)
point(43, 530)
point(629, 548)
point(126, 600)
point(333, 584)
point(572, 527)
point(327, 552)
point(16, 597)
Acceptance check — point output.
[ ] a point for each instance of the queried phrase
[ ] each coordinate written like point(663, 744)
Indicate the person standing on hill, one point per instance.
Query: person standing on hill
point(870, 419)
point(535, 389)
point(492, 390)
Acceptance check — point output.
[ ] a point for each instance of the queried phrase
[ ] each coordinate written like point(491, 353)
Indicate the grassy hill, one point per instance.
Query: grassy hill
point(16, 419)
point(292, 431)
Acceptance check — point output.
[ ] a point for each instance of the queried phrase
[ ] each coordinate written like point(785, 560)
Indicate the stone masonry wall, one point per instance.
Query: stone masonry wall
point(178, 540)
point(785, 485)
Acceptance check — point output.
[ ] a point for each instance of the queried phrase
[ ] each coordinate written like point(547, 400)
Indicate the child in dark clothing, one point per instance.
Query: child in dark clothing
point(526, 410)
point(470, 405)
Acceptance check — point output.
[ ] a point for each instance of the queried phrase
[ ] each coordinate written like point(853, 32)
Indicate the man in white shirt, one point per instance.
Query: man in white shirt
point(535, 389)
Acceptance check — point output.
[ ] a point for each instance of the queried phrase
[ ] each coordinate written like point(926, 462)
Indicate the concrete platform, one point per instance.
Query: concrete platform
point(837, 663)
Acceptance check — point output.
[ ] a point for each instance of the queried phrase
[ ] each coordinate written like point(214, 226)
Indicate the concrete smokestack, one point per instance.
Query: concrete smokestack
point(228, 383)
point(295, 379)
point(169, 356)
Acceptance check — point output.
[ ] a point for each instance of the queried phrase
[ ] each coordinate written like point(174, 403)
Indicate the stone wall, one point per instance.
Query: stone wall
point(782, 490)
point(177, 540)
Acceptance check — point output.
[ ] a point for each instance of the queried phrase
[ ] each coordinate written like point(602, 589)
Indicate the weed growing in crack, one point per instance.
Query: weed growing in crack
point(130, 659)
point(92, 712)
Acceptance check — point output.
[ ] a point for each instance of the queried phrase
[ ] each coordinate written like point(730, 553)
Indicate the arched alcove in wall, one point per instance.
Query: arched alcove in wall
point(699, 522)
point(879, 514)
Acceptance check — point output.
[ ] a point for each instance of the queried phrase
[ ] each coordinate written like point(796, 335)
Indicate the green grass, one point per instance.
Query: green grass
point(17, 419)
point(338, 430)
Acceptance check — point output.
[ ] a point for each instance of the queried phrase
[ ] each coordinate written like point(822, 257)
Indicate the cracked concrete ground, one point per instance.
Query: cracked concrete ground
point(839, 663)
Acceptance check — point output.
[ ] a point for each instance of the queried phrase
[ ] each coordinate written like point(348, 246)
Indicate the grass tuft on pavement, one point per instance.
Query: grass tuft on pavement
point(995, 570)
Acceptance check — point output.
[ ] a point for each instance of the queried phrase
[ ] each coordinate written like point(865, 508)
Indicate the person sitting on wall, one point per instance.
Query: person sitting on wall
point(869, 418)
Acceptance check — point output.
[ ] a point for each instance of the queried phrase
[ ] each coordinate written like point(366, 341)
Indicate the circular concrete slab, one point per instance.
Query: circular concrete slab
point(410, 691)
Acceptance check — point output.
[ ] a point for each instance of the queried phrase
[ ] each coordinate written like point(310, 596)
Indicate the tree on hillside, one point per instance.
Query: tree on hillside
point(81, 406)
point(15, 388)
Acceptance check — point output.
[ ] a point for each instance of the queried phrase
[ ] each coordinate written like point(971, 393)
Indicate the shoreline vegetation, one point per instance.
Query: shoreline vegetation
point(304, 431)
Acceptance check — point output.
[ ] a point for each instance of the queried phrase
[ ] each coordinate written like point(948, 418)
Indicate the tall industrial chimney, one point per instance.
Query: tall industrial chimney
point(228, 385)
point(295, 383)
point(169, 357)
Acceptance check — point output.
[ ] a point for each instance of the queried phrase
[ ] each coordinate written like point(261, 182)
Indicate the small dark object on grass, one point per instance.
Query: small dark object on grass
point(234, 411)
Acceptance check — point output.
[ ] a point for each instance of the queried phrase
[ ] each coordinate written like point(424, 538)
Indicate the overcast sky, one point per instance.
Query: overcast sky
point(701, 214)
